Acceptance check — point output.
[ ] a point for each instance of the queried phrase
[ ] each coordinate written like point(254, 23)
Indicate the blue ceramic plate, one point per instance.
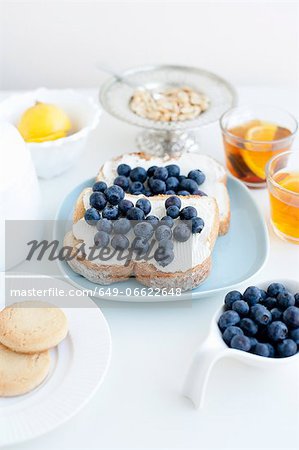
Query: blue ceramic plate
point(237, 256)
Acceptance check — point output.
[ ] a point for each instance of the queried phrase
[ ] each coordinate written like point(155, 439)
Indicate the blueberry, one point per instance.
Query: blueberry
point(121, 226)
point(173, 170)
point(98, 200)
point(99, 186)
point(252, 295)
point(294, 334)
point(122, 182)
point(240, 342)
point(124, 169)
point(173, 212)
point(249, 327)
point(269, 302)
point(124, 206)
point(286, 348)
point(144, 204)
point(285, 299)
point(168, 221)
point(184, 193)
point(114, 194)
point(166, 243)
point(227, 319)
point(153, 220)
point(104, 225)
point(277, 331)
point(261, 350)
point(170, 192)
point(275, 288)
point(172, 183)
point(200, 193)
point(182, 232)
point(197, 224)
point(161, 173)
point(151, 171)
point(144, 230)
point(101, 239)
point(188, 185)
point(110, 212)
point(264, 294)
point(140, 245)
point(182, 177)
point(271, 350)
point(260, 314)
point(136, 188)
point(91, 216)
point(135, 214)
point(138, 174)
point(148, 193)
point(164, 256)
point(231, 297)
point(173, 201)
point(230, 332)
point(241, 307)
point(276, 314)
point(150, 182)
point(297, 299)
point(163, 232)
point(197, 175)
point(291, 316)
point(157, 186)
point(253, 342)
point(188, 213)
point(120, 242)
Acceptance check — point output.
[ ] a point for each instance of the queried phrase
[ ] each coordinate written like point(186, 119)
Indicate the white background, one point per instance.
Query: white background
point(56, 44)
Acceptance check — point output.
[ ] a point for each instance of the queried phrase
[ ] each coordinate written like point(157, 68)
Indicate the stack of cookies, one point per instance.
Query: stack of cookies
point(27, 331)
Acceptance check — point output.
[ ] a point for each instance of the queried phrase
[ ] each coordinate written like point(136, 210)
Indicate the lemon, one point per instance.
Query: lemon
point(263, 132)
point(257, 154)
point(44, 122)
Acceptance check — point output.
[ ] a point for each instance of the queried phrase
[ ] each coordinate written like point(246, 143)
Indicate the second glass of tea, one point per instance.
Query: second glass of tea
point(252, 136)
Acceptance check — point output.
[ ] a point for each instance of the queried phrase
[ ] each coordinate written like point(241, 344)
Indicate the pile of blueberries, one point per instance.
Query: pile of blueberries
point(159, 180)
point(113, 215)
point(265, 323)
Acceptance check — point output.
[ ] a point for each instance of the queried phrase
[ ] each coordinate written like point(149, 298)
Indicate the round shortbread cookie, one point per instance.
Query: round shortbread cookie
point(20, 373)
point(32, 327)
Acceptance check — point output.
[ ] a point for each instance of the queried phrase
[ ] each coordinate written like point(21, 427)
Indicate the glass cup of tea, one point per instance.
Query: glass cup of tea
point(252, 136)
point(283, 186)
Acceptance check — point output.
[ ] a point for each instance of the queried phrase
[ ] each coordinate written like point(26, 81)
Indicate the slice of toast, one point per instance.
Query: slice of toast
point(214, 184)
point(191, 264)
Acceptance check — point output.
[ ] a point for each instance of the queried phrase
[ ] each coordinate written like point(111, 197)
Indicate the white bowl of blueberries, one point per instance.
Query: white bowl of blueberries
point(263, 322)
point(258, 327)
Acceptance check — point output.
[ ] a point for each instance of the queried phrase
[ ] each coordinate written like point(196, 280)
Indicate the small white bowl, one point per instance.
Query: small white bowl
point(214, 348)
point(51, 158)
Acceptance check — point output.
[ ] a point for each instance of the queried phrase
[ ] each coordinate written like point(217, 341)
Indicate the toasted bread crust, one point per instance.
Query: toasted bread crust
point(79, 210)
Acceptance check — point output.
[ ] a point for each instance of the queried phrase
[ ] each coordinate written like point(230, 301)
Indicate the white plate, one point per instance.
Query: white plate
point(78, 367)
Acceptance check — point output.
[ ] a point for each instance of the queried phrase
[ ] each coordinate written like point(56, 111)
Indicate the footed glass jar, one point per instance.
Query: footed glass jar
point(165, 135)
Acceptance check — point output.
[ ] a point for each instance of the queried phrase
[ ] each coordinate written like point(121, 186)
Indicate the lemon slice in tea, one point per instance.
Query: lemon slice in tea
point(256, 155)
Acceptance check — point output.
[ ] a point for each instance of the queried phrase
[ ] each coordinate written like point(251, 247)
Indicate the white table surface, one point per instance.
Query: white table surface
point(140, 405)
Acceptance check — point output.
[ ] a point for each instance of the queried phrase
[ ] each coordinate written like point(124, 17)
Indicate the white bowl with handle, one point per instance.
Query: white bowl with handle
point(51, 158)
point(214, 348)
